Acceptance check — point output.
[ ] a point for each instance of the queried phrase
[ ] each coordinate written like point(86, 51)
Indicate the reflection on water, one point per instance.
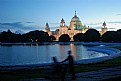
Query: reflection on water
point(19, 55)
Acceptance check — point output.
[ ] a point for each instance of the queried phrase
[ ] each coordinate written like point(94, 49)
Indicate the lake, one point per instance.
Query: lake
point(37, 54)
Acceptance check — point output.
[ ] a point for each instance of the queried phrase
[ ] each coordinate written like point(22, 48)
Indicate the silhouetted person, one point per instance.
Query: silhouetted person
point(54, 60)
point(56, 67)
point(70, 65)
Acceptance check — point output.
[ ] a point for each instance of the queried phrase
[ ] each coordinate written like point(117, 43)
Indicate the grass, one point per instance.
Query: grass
point(22, 74)
point(42, 72)
point(100, 65)
point(117, 47)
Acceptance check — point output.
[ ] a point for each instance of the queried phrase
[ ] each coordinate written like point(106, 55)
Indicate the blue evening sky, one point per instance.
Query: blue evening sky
point(28, 15)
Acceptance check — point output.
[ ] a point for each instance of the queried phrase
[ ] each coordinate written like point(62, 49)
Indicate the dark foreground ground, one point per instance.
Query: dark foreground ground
point(107, 74)
point(109, 70)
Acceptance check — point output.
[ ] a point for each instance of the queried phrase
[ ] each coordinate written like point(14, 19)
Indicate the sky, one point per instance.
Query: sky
point(30, 15)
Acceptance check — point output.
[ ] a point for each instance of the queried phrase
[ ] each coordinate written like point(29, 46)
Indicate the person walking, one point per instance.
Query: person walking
point(69, 66)
point(56, 67)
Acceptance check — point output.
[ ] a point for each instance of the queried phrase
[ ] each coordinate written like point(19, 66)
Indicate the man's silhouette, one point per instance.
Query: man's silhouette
point(70, 65)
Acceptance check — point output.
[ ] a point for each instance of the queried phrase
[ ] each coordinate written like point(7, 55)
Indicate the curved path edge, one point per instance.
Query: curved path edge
point(112, 53)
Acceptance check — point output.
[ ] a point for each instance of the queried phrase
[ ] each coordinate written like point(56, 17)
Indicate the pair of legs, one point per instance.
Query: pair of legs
point(71, 69)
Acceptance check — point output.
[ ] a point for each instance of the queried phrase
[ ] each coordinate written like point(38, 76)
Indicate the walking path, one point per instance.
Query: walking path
point(99, 74)
point(90, 76)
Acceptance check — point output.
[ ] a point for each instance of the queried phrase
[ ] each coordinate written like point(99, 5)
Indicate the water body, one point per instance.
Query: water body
point(22, 55)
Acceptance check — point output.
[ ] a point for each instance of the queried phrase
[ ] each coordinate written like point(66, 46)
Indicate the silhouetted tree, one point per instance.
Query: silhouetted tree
point(33, 36)
point(109, 36)
point(78, 37)
point(8, 36)
point(51, 38)
point(119, 35)
point(36, 36)
point(91, 35)
point(64, 38)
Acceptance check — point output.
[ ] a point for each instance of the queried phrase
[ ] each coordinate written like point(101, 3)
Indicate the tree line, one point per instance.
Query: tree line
point(91, 35)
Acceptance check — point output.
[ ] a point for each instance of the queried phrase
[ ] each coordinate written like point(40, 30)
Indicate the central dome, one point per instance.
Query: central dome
point(75, 19)
point(76, 23)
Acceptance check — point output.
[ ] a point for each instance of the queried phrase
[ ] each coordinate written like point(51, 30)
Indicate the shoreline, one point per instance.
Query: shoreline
point(61, 43)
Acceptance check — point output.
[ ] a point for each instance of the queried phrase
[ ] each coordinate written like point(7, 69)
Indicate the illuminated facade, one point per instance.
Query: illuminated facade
point(74, 28)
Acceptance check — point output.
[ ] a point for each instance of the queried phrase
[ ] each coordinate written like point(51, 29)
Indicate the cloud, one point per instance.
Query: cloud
point(19, 32)
point(54, 23)
point(97, 27)
point(116, 22)
point(118, 14)
point(111, 25)
point(100, 23)
point(15, 24)
point(18, 26)
point(111, 28)
point(94, 23)
point(29, 22)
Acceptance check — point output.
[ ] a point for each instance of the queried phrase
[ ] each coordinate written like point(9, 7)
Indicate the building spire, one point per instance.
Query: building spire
point(104, 24)
point(62, 20)
point(47, 29)
point(75, 14)
point(47, 25)
point(62, 23)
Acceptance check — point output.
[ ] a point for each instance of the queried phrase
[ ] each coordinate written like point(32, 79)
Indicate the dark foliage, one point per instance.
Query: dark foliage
point(109, 36)
point(52, 38)
point(92, 35)
point(36, 36)
point(64, 38)
point(9, 37)
point(119, 35)
point(33, 36)
point(79, 37)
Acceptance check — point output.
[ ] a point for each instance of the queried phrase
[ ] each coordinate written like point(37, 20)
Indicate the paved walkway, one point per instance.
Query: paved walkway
point(90, 76)
point(99, 74)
